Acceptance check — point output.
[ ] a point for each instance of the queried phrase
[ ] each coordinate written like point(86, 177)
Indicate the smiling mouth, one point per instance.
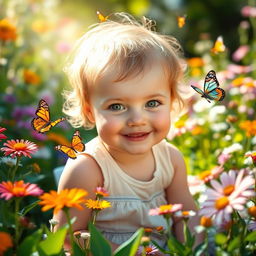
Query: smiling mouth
point(138, 136)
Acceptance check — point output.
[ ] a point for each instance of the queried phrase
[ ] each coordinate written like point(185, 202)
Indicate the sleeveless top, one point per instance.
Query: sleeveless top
point(131, 199)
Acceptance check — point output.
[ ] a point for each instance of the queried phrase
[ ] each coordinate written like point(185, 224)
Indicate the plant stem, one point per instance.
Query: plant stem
point(17, 223)
point(15, 168)
point(70, 230)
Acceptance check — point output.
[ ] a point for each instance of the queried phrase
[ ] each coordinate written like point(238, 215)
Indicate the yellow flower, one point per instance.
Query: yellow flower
point(31, 77)
point(218, 46)
point(7, 31)
point(97, 205)
point(41, 26)
point(6, 242)
point(65, 198)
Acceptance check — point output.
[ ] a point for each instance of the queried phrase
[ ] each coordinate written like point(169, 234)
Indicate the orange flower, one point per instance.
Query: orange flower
point(206, 221)
point(218, 46)
point(31, 77)
point(252, 211)
point(195, 62)
point(6, 242)
point(197, 130)
point(18, 189)
point(97, 205)
point(7, 30)
point(65, 198)
point(58, 138)
point(249, 127)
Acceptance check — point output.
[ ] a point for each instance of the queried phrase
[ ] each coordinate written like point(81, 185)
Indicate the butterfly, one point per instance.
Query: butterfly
point(76, 146)
point(181, 20)
point(42, 122)
point(101, 17)
point(211, 91)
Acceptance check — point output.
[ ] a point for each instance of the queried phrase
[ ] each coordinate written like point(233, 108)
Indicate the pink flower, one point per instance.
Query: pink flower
point(223, 158)
point(165, 209)
point(101, 192)
point(18, 189)
point(2, 136)
point(241, 51)
point(230, 194)
point(249, 11)
point(19, 148)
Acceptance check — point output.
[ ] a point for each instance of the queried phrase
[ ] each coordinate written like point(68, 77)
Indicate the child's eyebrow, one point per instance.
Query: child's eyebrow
point(151, 96)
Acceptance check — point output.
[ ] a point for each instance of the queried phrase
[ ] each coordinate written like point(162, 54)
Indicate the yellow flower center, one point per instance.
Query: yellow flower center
point(18, 190)
point(166, 207)
point(204, 175)
point(19, 146)
point(221, 203)
point(228, 190)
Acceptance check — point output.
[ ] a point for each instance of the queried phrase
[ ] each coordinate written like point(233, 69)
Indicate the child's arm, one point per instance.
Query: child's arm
point(178, 192)
point(85, 173)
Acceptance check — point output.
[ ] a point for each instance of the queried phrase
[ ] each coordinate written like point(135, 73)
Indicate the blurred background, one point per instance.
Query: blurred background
point(42, 32)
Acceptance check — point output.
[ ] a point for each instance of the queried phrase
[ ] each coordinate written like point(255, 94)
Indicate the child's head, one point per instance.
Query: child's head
point(121, 50)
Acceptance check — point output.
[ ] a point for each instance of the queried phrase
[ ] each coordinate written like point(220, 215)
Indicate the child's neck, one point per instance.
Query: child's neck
point(138, 166)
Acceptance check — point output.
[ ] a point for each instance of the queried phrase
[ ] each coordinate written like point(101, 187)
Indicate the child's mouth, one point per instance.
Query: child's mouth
point(137, 136)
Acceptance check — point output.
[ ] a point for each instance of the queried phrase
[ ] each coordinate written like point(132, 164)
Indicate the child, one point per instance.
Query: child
point(125, 81)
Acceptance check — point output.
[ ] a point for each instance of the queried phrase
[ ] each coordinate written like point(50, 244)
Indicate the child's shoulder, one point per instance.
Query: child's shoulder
point(84, 169)
point(175, 154)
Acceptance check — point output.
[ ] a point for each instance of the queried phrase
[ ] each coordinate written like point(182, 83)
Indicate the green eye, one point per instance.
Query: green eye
point(152, 103)
point(116, 107)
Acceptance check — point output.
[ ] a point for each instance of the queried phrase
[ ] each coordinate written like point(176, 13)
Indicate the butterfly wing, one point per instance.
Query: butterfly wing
point(218, 94)
point(77, 143)
point(68, 151)
point(197, 90)
point(42, 122)
point(211, 82)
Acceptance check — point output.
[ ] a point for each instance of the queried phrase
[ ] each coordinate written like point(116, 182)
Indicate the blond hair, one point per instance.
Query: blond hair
point(123, 46)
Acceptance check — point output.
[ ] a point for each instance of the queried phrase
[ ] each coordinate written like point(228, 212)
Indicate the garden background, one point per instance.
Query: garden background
point(216, 34)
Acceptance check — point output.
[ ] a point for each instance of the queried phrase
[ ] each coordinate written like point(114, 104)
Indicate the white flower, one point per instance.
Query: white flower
point(233, 148)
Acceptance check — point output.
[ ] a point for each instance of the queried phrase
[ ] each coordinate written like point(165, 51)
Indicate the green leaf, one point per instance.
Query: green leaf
point(130, 247)
point(77, 251)
point(28, 245)
point(200, 249)
point(175, 246)
point(29, 207)
point(220, 238)
point(98, 244)
point(251, 237)
point(235, 243)
point(54, 242)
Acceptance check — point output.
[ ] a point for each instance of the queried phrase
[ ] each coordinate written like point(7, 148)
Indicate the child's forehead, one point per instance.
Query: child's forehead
point(153, 80)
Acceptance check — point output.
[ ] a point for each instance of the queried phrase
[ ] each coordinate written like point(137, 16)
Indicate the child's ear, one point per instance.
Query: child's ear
point(89, 113)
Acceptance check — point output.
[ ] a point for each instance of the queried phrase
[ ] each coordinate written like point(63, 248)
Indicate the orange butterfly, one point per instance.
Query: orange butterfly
point(101, 17)
point(42, 122)
point(76, 146)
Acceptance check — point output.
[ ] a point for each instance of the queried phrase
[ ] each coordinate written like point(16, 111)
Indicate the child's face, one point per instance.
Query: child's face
point(132, 115)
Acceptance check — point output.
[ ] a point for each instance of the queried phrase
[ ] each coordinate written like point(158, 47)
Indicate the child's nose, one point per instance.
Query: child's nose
point(136, 118)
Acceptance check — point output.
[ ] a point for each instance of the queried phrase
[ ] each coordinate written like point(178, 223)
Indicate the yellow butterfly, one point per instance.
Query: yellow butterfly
point(181, 20)
point(42, 122)
point(101, 17)
point(76, 146)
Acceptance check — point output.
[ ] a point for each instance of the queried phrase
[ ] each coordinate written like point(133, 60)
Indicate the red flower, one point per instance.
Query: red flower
point(2, 136)
point(19, 147)
point(18, 189)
